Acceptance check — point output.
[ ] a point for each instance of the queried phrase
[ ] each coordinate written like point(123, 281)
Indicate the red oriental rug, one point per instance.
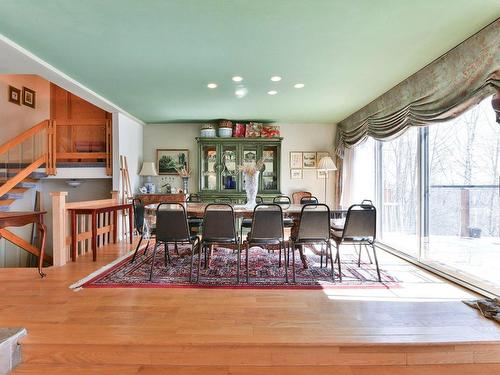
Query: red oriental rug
point(221, 273)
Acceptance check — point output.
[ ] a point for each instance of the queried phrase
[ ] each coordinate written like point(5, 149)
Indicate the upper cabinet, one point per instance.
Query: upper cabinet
point(219, 159)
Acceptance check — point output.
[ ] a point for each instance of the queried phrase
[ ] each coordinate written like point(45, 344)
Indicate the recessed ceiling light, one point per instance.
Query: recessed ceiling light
point(298, 85)
point(212, 85)
point(241, 92)
point(275, 78)
point(272, 92)
point(237, 79)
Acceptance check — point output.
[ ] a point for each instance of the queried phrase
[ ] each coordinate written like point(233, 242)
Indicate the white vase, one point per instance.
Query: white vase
point(251, 187)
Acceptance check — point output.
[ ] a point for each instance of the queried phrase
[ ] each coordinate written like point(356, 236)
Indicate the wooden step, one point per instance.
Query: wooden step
point(54, 369)
point(6, 202)
point(258, 354)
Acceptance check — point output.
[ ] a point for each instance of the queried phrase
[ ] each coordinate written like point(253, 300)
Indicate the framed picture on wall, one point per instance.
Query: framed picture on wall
point(29, 97)
point(14, 95)
point(168, 160)
point(296, 174)
point(308, 160)
point(295, 160)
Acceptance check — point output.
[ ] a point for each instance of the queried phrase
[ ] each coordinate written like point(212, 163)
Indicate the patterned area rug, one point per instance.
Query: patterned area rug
point(221, 273)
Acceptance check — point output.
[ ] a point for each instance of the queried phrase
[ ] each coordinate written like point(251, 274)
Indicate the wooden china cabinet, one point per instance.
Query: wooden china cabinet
point(218, 161)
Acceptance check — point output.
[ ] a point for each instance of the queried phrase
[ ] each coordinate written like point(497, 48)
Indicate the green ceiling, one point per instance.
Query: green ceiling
point(154, 58)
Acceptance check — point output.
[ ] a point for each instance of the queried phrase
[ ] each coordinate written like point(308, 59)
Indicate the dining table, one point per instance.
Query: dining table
point(197, 210)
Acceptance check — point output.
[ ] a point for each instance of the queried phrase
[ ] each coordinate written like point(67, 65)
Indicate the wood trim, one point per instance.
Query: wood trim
point(82, 122)
point(23, 136)
point(18, 241)
point(5, 188)
point(109, 148)
point(85, 204)
point(81, 155)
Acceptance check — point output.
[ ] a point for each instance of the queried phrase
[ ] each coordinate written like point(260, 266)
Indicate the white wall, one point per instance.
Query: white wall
point(297, 137)
point(14, 119)
point(127, 141)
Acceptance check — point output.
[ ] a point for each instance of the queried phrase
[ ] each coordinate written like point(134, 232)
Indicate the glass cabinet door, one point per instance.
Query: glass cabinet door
point(229, 167)
point(249, 155)
point(208, 167)
point(270, 170)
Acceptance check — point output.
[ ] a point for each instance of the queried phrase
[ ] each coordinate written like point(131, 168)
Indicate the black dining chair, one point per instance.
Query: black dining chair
point(309, 200)
point(314, 228)
point(172, 227)
point(246, 223)
point(360, 228)
point(284, 202)
point(139, 226)
point(267, 229)
point(219, 228)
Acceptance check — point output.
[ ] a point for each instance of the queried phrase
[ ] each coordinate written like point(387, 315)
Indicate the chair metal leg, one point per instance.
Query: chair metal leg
point(359, 255)
point(376, 262)
point(330, 255)
point(167, 256)
point(137, 249)
point(368, 252)
point(192, 261)
point(280, 258)
point(292, 246)
point(239, 265)
point(153, 262)
point(326, 257)
point(282, 245)
point(248, 272)
point(146, 248)
point(338, 262)
point(202, 246)
point(176, 248)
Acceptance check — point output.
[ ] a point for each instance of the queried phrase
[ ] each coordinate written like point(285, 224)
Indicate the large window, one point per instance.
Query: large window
point(464, 207)
point(439, 194)
point(399, 185)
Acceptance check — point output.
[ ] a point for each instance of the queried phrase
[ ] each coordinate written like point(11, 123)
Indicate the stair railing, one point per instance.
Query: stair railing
point(27, 152)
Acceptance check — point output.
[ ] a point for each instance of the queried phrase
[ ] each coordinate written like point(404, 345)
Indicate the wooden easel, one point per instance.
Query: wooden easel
point(126, 191)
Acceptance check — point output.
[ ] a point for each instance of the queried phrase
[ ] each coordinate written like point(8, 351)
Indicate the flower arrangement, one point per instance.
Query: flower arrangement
point(182, 172)
point(251, 169)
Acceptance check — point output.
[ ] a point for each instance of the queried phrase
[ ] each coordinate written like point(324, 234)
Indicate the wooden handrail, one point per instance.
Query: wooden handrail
point(4, 189)
point(23, 136)
point(81, 155)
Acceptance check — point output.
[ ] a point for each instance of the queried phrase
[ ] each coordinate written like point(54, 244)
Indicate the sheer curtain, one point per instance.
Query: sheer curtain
point(358, 173)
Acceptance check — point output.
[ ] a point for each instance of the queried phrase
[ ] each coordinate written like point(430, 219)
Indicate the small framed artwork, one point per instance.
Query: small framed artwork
point(14, 95)
point(169, 160)
point(295, 160)
point(320, 155)
point(29, 97)
point(308, 160)
point(321, 174)
point(296, 174)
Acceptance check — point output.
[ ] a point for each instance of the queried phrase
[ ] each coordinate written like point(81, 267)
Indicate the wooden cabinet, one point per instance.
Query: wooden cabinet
point(160, 198)
point(218, 161)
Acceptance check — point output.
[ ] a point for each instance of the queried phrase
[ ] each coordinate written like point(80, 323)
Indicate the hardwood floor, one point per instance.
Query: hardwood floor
point(420, 328)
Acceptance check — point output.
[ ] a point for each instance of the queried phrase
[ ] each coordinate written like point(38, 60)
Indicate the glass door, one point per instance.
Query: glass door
point(464, 196)
point(249, 157)
point(270, 171)
point(400, 192)
point(208, 167)
point(229, 167)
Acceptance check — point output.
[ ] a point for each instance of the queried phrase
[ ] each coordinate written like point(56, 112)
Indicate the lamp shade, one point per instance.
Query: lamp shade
point(148, 169)
point(326, 164)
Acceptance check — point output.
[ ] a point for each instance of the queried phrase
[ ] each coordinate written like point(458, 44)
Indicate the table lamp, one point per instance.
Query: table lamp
point(148, 170)
point(326, 164)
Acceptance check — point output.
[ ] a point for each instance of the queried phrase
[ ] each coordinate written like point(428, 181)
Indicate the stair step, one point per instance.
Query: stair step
point(6, 202)
point(63, 369)
point(10, 351)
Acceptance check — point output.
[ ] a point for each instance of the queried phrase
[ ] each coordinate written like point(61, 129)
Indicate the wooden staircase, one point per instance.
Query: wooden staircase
point(19, 190)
